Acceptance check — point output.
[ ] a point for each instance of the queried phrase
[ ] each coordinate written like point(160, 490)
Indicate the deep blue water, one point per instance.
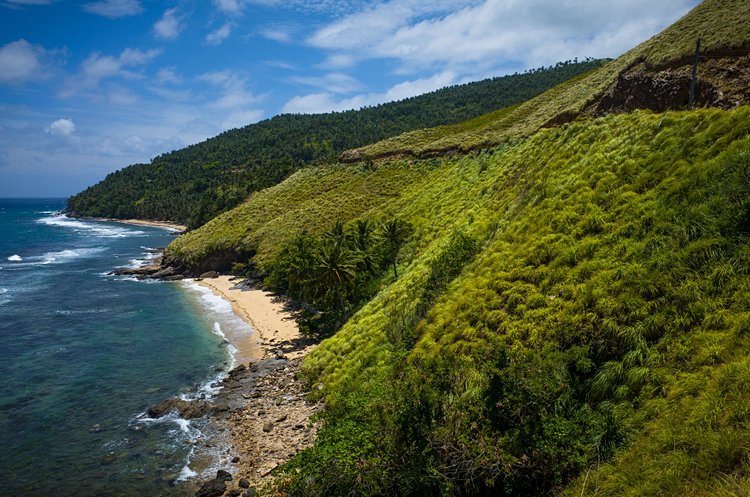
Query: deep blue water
point(83, 354)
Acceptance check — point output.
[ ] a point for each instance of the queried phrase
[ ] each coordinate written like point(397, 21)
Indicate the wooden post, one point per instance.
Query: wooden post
point(695, 74)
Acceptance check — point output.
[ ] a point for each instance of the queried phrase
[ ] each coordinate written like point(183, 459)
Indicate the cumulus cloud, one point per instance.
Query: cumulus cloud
point(218, 36)
point(19, 61)
point(169, 26)
point(424, 35)
point(315, 103)
point(62, 127)
point(97, 67)
point(114, 8)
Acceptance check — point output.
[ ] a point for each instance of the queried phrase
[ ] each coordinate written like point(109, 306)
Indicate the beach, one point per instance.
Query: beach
point(268, 314)
point(153, 224)
point(272, 421)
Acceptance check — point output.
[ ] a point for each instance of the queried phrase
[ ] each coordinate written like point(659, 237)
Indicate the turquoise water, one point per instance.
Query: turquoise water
point(83, 354)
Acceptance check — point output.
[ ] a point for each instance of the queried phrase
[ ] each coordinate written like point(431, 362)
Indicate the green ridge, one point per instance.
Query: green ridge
point(194, 184)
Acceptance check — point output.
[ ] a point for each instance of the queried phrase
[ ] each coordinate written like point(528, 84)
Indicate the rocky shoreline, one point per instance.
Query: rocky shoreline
point(264, 408)
point(262, 405)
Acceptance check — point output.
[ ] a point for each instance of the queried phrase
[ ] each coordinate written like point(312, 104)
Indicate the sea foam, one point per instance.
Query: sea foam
point(15, 258)
point(99, 230)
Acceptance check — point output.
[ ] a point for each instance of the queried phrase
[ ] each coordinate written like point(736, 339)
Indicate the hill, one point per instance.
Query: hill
point(192, 185)
point(655, 75)
point(569, 307)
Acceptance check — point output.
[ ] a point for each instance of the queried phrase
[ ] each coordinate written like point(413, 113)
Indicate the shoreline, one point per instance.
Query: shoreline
point(269, 420)
point(267, 314)
point(180, 228)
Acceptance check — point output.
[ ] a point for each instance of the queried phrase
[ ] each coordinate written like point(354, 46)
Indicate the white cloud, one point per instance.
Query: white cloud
point(332, 82)
point(278, 33)
point(234, 94)
point(457, 36)
point(19, 61)
point(169, 26)
point(98, 67)
point(218, 36)
point(326, 102)
point(167, 75)
point(114, 8)
point(63, 127)
point(229, 6)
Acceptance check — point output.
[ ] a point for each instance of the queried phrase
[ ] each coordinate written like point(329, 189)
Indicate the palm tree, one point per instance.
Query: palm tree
point(362, 241)
point(394, 234)
point(337, 234)
point(337, 270)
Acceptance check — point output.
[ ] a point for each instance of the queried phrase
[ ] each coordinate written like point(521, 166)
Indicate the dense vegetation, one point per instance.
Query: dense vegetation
point(602, 282)
point(196, 183)
point(570, 314)
point(338, 271)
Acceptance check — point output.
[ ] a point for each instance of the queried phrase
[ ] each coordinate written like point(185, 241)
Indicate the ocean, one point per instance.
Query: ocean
point(83, 354)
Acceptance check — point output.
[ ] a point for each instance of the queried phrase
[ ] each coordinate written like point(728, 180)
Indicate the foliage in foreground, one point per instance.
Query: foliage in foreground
point(594, 331)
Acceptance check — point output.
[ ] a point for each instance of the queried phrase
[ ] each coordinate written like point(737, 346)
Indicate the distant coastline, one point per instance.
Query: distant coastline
point(154, 224)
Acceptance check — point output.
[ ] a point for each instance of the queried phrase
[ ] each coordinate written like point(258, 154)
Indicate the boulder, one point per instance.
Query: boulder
point(164, 272)
point(188, 409)
point(224, 474)
point(209, 274)
point(212, 488)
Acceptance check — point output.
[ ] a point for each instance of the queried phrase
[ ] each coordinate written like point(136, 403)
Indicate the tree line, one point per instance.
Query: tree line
point(196, 183)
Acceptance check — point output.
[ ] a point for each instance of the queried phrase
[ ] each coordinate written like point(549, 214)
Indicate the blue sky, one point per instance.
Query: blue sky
point(88, 87)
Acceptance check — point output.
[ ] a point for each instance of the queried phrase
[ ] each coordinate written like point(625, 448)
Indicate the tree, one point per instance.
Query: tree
point(337, 271)
point(393, 233)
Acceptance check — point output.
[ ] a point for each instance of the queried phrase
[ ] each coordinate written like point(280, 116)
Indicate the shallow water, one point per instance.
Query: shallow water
point(83, 354)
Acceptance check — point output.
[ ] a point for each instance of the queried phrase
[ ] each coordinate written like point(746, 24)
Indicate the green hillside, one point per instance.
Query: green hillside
point(196, 183)
point(569, 310)
point(607, 287)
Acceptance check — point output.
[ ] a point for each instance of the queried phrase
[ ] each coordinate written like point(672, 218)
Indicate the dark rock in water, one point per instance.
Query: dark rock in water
point(244, 483)
point(210, 274)
point(176, 277)
point(188, 409)
point(164, 272)
point(237, 370)
point(139, 271)
point(212, 488)
point(224, 474)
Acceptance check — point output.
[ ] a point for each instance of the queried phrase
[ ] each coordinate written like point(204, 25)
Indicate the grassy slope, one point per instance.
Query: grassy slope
point(617, 249)
point(719, 24)
point(620, 241)
point(620, 244)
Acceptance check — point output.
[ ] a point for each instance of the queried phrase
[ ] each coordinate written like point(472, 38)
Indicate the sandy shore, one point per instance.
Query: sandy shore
point(269, 316)
point(154, 224)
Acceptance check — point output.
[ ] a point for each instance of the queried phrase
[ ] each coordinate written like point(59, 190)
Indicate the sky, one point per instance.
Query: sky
point(88, 87)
